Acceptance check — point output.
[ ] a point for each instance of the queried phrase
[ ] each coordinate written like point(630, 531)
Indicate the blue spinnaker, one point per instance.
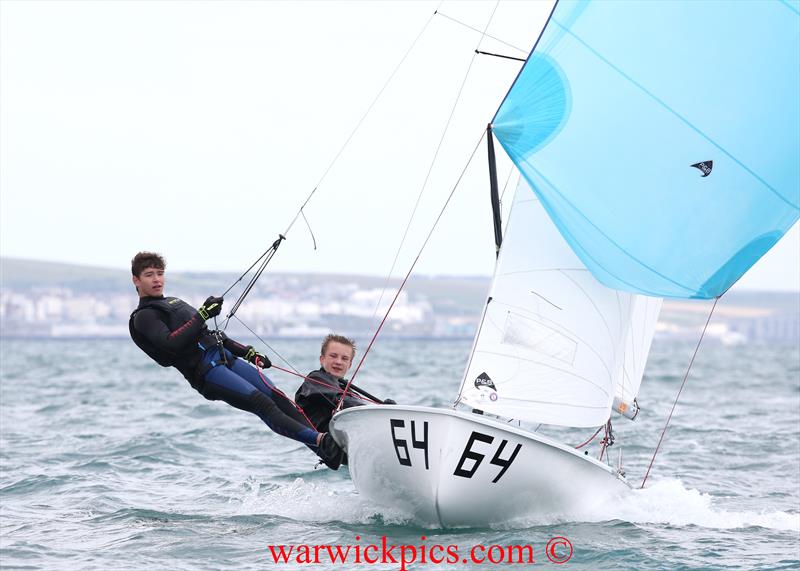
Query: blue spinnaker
point(663, 137)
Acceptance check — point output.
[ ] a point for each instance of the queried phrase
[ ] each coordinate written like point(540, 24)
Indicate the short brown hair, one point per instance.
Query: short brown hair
point(144, 260)
point(334, 338)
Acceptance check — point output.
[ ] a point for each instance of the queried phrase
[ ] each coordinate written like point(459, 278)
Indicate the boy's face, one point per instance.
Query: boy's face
point(150, 282)
point(337, 359)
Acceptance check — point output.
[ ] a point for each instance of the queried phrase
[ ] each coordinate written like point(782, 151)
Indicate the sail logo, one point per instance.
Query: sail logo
point(704, 167)
point(483, 381)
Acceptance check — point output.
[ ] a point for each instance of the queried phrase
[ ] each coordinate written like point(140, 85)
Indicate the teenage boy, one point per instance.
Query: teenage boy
point(320, 392)
point(174, 334)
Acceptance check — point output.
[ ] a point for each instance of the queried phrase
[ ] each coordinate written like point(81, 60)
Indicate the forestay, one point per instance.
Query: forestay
point(662, 137)
point(555, 345)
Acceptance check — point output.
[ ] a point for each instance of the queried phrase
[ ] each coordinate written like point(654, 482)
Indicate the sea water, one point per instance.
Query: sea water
point(112, 462)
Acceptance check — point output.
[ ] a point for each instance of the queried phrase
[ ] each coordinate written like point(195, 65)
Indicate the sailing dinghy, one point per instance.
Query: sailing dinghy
point(659, 158)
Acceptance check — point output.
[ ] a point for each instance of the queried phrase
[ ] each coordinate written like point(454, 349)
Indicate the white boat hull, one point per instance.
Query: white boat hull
point(451, 468)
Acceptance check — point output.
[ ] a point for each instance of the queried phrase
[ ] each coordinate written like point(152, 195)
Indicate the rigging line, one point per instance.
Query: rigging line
point(281, 357)
point(472, 350)
point(499, 55)
point(363, 117)
point(590, 439)
point(270, 254)
point(485, 308)
point(363, 395)
point(505, 186)
point(275, 389)
point(686, 376)
point(460, 395)
point(433, 163)
point(247, 271)
point(294, 371)
point(484, 33)
point(414, 263)
point(310, 231)
point(341, 150)
point(608, 440)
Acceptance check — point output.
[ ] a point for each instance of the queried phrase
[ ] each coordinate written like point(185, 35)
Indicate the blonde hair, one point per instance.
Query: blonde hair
point(334, 338)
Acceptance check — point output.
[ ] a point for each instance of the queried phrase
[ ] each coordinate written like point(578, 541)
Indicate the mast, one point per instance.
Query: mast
point(498, 239)
point(498, 232)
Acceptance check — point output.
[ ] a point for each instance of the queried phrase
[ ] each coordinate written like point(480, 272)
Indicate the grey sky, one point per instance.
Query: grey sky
point(197, 129)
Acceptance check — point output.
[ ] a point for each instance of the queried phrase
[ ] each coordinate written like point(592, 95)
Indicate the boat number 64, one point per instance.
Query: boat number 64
point(469, 457)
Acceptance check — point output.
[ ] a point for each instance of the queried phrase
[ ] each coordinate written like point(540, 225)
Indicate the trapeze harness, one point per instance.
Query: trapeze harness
point(173, 334)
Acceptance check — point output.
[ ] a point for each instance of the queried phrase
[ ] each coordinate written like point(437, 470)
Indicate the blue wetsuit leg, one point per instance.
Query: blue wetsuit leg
point(284, 403)
point(237, 387)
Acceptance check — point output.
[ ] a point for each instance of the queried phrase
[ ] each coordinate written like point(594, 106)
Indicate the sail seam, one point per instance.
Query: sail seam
point(688, 289)
point(560, 329)
point(554, 368)
point(792, 8)
point(661, 102)
point(600, 314)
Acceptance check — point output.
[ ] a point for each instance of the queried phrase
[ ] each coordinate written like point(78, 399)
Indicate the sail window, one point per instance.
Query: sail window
point(534, 336)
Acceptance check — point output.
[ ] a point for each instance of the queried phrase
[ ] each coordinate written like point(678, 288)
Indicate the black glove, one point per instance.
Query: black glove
point(210, 308)
point(258, 359)
point(389, 401)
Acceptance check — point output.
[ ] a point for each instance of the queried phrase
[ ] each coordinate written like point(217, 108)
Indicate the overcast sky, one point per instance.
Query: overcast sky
point(197, 129)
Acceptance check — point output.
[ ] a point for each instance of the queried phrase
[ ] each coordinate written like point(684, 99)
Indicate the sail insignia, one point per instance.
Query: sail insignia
point(483, 380)
point(704, 167)
point(486, 387)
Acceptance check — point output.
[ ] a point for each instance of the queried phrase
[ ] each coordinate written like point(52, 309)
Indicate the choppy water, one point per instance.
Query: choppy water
point(109, 461)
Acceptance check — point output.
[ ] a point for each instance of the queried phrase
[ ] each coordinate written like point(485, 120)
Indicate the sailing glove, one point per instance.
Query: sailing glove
point(210, 308)
point(258, 359)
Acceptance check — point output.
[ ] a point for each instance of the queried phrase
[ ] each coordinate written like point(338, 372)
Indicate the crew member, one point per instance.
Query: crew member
point(320, 393)
point(173, 333)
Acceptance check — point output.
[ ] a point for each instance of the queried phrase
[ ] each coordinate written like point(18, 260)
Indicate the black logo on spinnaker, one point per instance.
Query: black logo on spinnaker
point(483, 380)
point(704, 167)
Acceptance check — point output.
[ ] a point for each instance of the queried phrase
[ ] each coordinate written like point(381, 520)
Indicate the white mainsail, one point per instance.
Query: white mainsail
point(555, 346)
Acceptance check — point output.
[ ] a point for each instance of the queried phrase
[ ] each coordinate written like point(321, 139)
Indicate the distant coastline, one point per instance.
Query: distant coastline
point(49, 300)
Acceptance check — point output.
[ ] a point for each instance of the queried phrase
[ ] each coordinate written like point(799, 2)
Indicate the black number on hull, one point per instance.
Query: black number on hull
point(477, 457)
point(474, 456)
point(504, 464)
point(401, 444)
point(420, 444)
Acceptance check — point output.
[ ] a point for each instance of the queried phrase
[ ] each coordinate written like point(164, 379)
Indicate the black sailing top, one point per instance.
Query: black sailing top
point(174, 334)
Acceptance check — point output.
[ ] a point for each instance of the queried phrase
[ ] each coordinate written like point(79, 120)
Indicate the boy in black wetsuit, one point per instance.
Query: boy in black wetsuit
point(174, 334)
point(320, 393)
